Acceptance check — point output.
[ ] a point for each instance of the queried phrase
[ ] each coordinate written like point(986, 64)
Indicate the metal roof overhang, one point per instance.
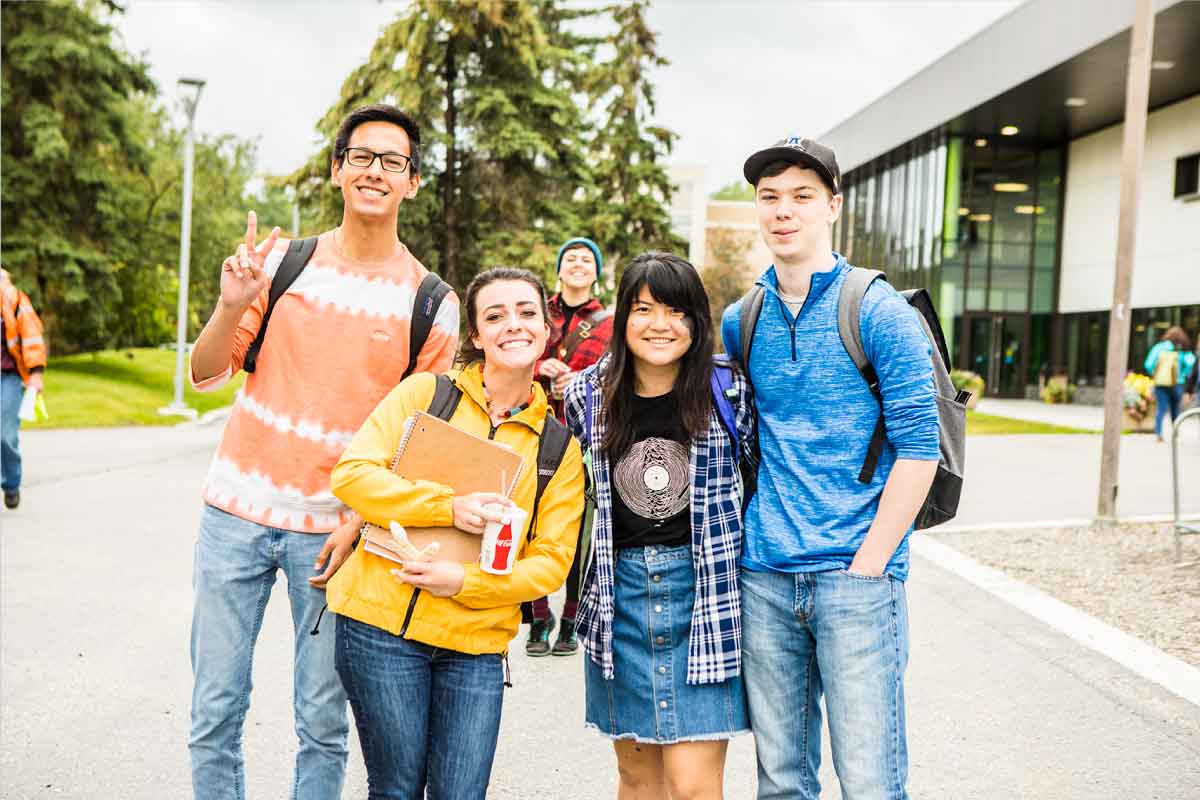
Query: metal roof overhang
point(1020, 71)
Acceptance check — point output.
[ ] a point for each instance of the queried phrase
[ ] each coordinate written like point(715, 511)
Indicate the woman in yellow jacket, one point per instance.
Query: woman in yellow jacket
point(420, 650)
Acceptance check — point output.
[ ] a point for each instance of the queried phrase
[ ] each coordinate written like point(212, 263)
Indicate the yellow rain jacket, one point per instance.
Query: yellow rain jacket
point(485, 616)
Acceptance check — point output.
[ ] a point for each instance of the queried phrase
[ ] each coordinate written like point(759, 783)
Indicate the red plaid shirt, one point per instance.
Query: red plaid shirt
point(589, 350)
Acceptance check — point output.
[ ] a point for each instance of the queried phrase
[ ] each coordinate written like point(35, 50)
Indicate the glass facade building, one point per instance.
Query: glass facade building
point(992, 178)
point(977, 220)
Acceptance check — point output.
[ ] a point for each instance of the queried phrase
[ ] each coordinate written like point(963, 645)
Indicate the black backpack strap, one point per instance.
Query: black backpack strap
point(752, 304)
point(430, 294)
point(582, 331)
point(445, 398)
point(294, 261)
point(552, 446)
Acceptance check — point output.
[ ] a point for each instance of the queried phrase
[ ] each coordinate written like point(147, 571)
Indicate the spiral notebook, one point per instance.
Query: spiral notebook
point(434, 450)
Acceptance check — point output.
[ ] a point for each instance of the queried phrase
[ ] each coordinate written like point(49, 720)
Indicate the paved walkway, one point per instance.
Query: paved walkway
point(95, 606)
point(1037, 478)
point(1069, 414)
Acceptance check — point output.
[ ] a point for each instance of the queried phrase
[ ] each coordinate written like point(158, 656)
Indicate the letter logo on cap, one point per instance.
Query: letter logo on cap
point(794, 141)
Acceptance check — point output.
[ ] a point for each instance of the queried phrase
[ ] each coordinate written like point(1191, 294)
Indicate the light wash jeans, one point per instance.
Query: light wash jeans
point(12, 390)
point(837, 634)
point(235, 565)
point(428, 718)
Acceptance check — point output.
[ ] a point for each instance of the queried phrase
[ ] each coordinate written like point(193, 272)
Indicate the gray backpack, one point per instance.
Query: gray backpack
point(942, 502)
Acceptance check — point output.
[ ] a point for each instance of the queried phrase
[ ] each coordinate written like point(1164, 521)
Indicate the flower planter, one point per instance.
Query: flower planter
point(1144, 425)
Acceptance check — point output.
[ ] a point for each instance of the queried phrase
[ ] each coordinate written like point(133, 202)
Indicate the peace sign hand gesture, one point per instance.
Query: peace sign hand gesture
point(242, 274)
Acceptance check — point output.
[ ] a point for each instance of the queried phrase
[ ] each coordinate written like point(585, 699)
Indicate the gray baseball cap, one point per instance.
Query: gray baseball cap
point(803, 152)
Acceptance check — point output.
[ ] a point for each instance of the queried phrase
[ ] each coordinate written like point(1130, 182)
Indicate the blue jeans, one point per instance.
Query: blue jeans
point(428, 718)
point(1166, 398)
point(235, 565)
point(12, 390)
point(837, 634)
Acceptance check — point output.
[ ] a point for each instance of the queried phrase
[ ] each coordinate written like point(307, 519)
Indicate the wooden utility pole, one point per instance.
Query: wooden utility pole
point(1137, 96)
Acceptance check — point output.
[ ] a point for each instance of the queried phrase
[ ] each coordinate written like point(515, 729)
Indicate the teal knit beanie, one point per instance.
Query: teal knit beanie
point(590, 245)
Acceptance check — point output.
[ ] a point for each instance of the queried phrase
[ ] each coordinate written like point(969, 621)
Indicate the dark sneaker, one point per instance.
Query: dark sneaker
point(566, 643)
point(12, 499)
point(538, 643)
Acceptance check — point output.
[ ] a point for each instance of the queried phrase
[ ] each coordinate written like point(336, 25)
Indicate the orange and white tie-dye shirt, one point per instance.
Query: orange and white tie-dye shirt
point(336, 345)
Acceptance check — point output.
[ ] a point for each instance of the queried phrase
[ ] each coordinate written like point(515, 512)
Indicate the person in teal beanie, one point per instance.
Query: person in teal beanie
point(580, 328)
point(574, 244)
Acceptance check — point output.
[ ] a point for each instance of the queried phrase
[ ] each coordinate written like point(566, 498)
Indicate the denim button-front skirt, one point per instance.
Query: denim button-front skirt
point(649, 699)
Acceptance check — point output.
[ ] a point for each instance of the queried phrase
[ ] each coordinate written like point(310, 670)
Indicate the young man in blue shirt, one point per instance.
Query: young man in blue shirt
point(825, 556)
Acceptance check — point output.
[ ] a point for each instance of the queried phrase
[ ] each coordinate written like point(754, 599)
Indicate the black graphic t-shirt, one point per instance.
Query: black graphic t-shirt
point(652, 481)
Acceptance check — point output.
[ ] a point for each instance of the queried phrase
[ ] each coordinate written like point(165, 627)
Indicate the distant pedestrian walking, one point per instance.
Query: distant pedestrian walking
point(580, 329)
point(1170, 363)
point(23, 360)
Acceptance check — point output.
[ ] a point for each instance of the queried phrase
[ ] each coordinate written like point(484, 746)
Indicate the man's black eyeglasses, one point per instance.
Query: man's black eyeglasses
point(363, 158)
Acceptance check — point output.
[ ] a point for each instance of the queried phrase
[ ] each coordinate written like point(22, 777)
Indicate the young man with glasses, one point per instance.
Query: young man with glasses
point(338, 341)
point(825, 555)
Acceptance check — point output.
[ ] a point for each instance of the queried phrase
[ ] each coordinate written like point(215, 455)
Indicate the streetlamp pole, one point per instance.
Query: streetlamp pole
point(191, 88)
point(295, 212)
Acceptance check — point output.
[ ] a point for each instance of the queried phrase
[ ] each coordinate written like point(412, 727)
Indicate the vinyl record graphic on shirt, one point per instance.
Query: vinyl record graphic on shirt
point(652, 478)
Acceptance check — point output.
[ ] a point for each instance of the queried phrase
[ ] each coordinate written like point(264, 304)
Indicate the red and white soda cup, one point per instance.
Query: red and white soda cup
point(501, 540)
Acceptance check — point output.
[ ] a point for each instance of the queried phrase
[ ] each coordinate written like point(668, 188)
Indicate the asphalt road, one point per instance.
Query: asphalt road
point(95, 572)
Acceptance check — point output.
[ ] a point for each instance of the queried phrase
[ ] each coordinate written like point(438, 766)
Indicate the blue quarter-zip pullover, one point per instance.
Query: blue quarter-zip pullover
point(815, 418)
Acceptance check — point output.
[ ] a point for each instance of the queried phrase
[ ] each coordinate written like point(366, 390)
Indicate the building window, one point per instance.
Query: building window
point(1187, 177)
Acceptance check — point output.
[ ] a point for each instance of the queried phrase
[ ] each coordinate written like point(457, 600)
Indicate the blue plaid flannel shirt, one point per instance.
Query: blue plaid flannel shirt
point(715, 643)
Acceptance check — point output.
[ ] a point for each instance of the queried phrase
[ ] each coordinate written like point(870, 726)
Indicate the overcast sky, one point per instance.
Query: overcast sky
point(743, 73)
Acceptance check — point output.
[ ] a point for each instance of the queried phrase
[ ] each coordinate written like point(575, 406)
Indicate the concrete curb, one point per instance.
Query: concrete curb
point(209, 417)
point(1144, 519)
point(1169, 672)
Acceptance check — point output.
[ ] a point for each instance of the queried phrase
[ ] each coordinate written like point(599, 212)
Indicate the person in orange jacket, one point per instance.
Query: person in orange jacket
point(23, 360)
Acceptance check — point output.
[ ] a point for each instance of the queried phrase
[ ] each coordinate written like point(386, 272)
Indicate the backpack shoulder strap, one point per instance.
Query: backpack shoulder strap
point(445, 398)
point(582, 331)
point(850, 301)
point(430, 294)
point(752, 303)
point(552, 446)
point(722, 389)
point(293, 263)
point(854, 289)
point(922, 303)
point(600, 316)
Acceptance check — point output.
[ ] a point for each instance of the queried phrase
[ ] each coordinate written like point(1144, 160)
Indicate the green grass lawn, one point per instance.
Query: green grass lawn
point(991, 425)
point(120, 387)
point(127, 387)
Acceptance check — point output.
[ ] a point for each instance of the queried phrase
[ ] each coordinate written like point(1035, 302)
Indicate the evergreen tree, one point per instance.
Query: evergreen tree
point(69, 161)
point(501, 133)
point(526, 139)
point(629, 206)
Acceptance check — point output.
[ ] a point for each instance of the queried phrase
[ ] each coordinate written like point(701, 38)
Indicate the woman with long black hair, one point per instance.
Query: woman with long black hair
point(659, 615)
